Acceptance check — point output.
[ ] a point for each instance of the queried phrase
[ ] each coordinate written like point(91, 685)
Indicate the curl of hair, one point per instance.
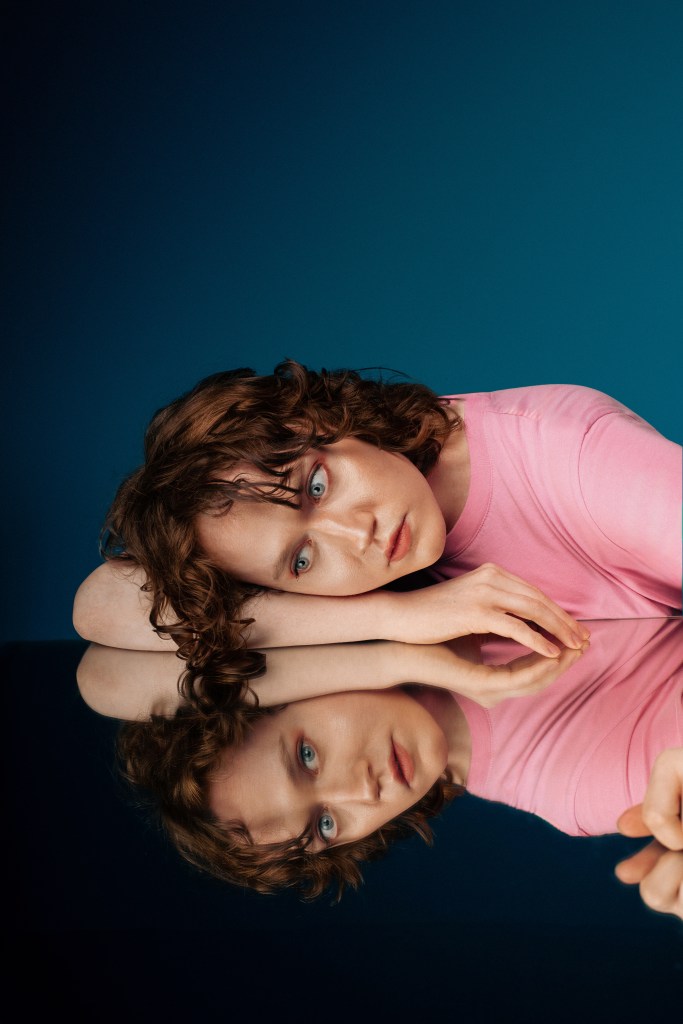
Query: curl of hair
point(193, 443)
point(171, 761)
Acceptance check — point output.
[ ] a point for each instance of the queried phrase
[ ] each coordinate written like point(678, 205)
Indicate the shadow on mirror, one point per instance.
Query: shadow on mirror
point(502, 893)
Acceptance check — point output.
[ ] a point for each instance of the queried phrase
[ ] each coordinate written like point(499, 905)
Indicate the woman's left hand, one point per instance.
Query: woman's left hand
point(658, 868)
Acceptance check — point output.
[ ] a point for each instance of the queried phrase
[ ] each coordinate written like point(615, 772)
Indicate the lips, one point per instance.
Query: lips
point(399, 542)
point(401, 764)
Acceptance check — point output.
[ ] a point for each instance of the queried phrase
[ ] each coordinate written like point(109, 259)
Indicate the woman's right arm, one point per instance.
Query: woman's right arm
point(111, 609)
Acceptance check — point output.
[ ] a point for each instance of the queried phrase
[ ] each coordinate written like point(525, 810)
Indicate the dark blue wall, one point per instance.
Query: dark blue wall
point(481, 194)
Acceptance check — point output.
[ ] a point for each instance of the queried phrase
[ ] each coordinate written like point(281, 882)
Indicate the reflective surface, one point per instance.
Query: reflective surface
point(499, 887)
point(581, 752)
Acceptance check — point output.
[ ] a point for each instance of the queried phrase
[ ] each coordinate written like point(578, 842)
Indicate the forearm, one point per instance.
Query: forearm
point(296, 673)
point(111, 609)
point(130, 685)
point(289, 620)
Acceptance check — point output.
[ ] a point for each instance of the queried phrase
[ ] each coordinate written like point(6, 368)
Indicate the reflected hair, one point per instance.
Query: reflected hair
point(170, 762)
point(268, 421)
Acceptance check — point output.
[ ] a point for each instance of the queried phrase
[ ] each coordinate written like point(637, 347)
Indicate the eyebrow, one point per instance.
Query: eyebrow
point(287, 761)
point(283, 562)
point(285, 559)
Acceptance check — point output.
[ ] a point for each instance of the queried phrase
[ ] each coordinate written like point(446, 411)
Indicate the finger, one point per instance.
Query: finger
point(542, 610)
point(525, 676)
point(632, 870)
point(553, 620)
point(533, 672)
point(515, 629)
point(662, 888)
point(662, 808)
point(631, 823)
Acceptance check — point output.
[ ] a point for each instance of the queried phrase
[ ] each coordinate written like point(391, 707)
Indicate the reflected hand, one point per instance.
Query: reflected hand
point(658, 868)
point(489, 685)
point(487, 600)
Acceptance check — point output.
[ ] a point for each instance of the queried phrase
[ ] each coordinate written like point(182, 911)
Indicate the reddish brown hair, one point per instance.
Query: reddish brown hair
point(171, 760)
point(268, 421)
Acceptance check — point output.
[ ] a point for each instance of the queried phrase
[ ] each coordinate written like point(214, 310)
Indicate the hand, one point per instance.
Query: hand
point(486, 600)
point(488, 685)
point(658, 867)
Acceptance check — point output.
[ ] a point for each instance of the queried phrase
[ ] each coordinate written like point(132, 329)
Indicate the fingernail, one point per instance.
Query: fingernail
point(586, 633)
point(552, 649)
point(578, 640)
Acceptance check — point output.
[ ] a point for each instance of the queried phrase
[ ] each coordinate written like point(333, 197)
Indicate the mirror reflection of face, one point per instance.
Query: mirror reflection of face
point(367, 517)
point(335, 767)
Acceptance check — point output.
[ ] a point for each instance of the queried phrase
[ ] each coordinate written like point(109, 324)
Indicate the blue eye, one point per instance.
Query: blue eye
point(307, 755)
point(303, 559)
point(317, 483)
point(327, 827)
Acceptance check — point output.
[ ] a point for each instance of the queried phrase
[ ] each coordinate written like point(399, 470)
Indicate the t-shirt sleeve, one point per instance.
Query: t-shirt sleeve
point(631, 482)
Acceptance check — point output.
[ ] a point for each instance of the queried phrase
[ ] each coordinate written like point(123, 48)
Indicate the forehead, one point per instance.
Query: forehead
point(249, 539)
point(252, 786)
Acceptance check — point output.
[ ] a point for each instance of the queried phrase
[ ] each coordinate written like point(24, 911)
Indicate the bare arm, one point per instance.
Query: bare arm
point(133, 685)
point(111, 609)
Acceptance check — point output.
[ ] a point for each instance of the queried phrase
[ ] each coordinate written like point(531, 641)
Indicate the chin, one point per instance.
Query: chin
point(434, 550)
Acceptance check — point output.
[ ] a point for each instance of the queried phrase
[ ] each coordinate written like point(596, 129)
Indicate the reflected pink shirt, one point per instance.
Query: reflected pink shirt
point(575, 493)
point(581, 752)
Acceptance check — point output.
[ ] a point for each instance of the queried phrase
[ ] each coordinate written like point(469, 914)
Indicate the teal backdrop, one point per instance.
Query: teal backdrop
point(482, 195)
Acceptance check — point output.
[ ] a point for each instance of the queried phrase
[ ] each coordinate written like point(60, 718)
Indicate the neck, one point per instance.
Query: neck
point(450, 477)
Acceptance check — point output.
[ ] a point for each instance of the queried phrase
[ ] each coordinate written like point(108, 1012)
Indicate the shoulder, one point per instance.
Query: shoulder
point(564, 415)
point(544, 402)
point(555, 402)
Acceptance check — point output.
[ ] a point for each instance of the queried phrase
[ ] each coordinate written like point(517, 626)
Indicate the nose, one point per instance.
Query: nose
point(355, 527)
point(354, 784)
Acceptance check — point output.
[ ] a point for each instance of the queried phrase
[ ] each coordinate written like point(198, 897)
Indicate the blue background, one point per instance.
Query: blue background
point(482, 195)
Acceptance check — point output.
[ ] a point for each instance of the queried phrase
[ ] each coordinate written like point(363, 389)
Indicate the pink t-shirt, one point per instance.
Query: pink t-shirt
point(573, 492)
point(581, 752)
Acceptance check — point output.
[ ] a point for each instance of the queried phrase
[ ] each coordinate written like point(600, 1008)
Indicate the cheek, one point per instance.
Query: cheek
point(438, 760)
point(432, 750)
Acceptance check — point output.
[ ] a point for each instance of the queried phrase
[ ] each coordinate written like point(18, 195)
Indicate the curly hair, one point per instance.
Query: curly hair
point(171, 761)
point(269, 422)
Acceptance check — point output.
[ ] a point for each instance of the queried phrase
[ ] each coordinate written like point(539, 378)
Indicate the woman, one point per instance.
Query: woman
point(327, 781)
point(325, 488)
